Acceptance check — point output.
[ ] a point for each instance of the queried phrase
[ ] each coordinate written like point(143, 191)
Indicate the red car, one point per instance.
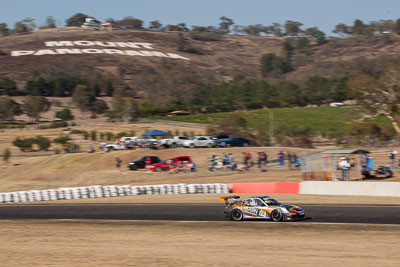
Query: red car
point(165, 165)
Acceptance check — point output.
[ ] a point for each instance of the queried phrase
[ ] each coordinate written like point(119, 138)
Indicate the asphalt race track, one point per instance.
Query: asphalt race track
point(191, 212)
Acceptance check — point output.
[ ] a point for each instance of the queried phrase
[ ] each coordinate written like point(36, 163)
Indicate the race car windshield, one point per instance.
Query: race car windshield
point(272, 202)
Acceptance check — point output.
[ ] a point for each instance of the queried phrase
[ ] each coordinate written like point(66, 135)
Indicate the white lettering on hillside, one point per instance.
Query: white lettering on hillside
point(68, 51)
point(65, 51)
point(84, 43)
point(45, 52)
point(100, 43)
point(21, 53)
point(59, 43)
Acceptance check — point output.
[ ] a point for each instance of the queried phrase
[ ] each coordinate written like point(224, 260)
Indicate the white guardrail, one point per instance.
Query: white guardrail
point(99, 191)
point(391, 189)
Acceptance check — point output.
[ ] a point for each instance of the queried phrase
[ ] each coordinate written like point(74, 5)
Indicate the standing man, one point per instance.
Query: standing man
point(281, 158)
point(262, 159)
point(118, 162)
point(344, 165)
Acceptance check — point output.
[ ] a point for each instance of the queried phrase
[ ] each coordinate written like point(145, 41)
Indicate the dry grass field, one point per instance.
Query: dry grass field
point(43, 170)
point(151, 243)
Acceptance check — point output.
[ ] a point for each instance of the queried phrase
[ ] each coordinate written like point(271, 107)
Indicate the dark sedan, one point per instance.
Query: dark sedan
point(233, 141)
point(141, 163)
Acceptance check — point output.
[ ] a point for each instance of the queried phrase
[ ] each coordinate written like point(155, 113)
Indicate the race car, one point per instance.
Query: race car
point(260, 207)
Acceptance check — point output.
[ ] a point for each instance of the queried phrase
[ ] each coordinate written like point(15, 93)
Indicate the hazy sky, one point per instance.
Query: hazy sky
point(322, 13)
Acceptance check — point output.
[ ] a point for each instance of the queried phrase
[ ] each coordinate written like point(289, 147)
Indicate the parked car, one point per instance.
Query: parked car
point(199, 141)
point(232, 141)
point(141, 163)
point(221, 136)
point(174, 141)
point(165, 164)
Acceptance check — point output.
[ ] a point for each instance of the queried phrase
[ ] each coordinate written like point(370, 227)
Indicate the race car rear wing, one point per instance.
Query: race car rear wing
point(226, 199)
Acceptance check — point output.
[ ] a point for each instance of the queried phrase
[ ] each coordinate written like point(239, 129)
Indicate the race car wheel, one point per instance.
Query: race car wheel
point(237, 215)
point(158, 169)
point(173, 145)
point(209, 145)
point(277, 215)
point(191, 145)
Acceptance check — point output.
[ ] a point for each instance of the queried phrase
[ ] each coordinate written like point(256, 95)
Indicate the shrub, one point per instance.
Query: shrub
point(23, 144)
point(93, 135)
point(43, 142)
point(65, 114)
point(6, 154)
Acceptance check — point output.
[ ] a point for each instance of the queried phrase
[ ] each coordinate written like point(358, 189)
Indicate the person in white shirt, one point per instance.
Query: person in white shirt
point(344, 165)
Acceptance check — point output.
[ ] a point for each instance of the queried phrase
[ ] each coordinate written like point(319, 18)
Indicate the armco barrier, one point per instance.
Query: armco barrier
point(266, 188)
point(98, 191)
point(351, 188)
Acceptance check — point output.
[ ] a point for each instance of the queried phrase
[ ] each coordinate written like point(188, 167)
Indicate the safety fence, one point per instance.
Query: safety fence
point(99, 191)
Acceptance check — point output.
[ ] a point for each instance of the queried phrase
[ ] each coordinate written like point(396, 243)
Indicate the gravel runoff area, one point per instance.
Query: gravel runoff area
point(152, 243)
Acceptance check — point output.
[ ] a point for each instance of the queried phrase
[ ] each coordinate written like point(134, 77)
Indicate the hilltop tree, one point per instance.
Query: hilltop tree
point(33, 106)
point(50, 23)
point(342, 29)
point(316, 33)
point(9, 108)
point(129, 23)
point(225, 24)
point(24, 26)
point(155, 25)
point(254, 29)
point(4, 30)
point(292, 28)
point(358, 28)
point(275, 29)
point(78, 19)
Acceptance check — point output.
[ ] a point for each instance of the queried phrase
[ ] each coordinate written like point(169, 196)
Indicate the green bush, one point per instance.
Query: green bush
point(43, 142)
point(64, 114)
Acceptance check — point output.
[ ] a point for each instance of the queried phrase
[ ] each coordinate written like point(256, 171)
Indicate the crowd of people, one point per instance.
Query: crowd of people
point(227, 161)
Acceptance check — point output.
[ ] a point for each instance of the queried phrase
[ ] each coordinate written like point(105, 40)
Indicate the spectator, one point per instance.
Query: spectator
point(118, 162)
point(281, 159)
point(292, 160)
point(344, 165)
point(392, 157)
point(366, 172)
point(262, 160)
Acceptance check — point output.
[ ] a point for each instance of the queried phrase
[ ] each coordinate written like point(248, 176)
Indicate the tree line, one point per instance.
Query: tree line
point(226, 25)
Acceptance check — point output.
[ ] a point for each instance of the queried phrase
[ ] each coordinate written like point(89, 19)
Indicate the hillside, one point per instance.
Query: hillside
point(207, 61)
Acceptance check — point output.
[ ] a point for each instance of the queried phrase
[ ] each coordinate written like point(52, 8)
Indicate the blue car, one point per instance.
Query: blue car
point(232, 141)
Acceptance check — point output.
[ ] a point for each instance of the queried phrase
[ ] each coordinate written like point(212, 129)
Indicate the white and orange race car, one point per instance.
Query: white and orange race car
point(260, 207)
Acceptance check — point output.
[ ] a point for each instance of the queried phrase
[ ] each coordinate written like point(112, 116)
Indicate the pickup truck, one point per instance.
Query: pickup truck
point(115, 146)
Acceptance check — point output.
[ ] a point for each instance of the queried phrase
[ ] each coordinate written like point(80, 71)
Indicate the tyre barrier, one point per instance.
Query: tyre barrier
point(100, 191)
